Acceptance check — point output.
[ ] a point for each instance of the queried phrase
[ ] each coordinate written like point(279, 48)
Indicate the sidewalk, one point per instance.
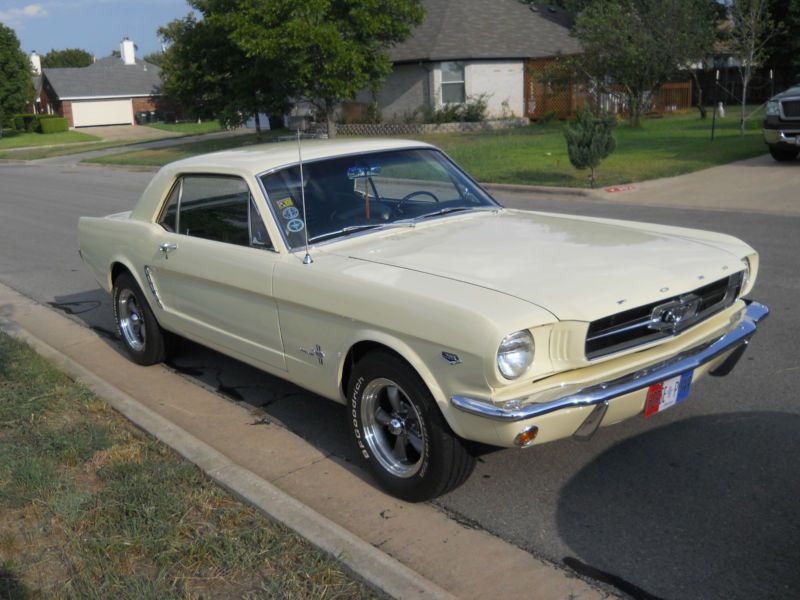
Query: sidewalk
point(406, 550)
point(758, 185)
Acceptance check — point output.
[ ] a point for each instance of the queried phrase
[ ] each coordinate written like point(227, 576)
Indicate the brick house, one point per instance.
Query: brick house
point(111, 91)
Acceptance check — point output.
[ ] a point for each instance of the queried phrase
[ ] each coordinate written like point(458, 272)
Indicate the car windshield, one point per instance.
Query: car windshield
point(351, 194)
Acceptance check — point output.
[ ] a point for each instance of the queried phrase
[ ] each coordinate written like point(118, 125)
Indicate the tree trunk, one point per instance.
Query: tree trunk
point(593, 177)
point(699, 102)
point(330, 121)
point(743, 118)
point(258, 125)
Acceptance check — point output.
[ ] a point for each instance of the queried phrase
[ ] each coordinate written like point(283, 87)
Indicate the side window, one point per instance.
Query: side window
point(215, 207)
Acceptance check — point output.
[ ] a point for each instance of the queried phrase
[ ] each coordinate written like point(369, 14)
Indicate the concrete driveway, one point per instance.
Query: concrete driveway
point(113, 133)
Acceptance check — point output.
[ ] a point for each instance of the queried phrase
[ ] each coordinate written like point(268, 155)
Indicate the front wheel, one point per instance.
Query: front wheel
point(783, 154)
point(144, 341)
point(400, 432)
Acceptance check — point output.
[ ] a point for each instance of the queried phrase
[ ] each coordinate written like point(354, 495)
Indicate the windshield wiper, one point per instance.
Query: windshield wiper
point(353, 228)
point(453, 209)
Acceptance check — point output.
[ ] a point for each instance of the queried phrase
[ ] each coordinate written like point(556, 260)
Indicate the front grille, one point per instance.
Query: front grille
point(791, 109)
point(652, 322)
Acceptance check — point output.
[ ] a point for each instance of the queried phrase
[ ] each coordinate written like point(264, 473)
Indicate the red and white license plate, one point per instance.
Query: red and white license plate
point(660, 396)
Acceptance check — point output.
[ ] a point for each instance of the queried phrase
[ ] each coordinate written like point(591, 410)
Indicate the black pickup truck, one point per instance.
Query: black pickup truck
point(782, 125)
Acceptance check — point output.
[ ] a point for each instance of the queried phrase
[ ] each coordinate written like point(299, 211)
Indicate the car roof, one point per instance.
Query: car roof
point(264, 157)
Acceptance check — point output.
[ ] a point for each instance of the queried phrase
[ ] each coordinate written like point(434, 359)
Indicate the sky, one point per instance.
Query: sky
point(94, 25)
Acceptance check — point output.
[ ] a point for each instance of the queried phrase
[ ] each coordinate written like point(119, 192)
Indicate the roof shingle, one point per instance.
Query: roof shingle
point(486, 29)
point(106, 78)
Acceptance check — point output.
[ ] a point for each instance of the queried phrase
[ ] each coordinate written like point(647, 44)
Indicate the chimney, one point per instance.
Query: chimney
point(36, 63)
point(127, 51)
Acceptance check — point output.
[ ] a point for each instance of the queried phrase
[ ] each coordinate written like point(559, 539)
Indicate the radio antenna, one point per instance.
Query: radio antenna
point(307, 260)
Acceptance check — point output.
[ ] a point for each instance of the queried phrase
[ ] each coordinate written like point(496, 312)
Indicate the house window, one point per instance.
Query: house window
point(453, 91)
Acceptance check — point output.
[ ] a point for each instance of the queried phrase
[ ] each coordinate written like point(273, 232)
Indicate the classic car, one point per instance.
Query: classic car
point(782, 125)
point(376, 273)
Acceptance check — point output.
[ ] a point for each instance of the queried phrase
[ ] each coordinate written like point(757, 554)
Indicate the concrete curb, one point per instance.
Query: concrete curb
point(537, 189)
point(365, 561)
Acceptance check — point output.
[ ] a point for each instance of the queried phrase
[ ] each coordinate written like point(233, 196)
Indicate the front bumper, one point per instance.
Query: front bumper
point(733, 343)
point(784, 137)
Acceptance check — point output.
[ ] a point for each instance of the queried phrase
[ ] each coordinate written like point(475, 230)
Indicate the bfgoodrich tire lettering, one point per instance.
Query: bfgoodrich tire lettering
point(400, 432)
point(142, 338)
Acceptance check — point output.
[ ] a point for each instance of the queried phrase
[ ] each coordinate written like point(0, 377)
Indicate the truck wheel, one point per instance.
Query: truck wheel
point(144, 341)
point(783, 154)
point(400, 432)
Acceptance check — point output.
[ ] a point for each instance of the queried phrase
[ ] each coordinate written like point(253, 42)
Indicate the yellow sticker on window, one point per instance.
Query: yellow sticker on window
point(285, 203)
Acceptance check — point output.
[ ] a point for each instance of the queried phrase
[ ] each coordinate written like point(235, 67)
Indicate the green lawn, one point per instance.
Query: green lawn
point(17, 139)
point(37, 153)
point(156, 157)
point(189, 128)
point(537, 155)
point(91, 507)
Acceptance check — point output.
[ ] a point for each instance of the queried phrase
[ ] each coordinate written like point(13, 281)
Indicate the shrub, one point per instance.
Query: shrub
point(54, 124)
point(590, 140)
point(25, 122)
point(473, 110)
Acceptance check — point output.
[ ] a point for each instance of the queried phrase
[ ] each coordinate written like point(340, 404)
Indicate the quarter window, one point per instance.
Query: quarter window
point(453, 89)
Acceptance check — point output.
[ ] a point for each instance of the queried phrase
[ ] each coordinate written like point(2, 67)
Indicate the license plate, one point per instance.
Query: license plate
point(660, 396)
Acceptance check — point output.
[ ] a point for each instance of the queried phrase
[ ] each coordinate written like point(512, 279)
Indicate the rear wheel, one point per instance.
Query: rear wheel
point(400, 432)
point(783, 154)
point(144, 341)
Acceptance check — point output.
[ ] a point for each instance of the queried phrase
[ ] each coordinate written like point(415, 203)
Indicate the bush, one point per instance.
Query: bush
point(473, 110)
point(590, 140)
point(53, 124)
point(25, 122)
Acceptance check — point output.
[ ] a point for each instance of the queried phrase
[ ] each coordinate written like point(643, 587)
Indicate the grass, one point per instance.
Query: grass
point(91, 507)
point(18, 139)
point(189, 128)
point(537, 155)
point(37, 153)
point(156, 157)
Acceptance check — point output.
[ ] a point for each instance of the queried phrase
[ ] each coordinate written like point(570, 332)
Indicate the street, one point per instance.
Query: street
point(698, 502)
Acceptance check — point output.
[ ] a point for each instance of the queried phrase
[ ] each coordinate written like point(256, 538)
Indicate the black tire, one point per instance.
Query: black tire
point(432, 459)
point(144, 341)
point(783, 154)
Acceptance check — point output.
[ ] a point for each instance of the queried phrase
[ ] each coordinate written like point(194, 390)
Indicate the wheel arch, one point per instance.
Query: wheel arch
point(382, 342)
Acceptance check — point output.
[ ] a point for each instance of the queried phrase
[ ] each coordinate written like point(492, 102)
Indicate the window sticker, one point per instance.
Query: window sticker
point(290, 213)
point(285, 203)
point(294, 226)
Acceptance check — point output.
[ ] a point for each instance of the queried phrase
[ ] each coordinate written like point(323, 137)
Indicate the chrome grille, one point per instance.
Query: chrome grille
point(791, 108)
point(661, 319)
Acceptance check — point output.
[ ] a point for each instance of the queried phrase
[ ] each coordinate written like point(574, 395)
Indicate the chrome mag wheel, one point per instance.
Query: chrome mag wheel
point(393, 428)
point(131, 320)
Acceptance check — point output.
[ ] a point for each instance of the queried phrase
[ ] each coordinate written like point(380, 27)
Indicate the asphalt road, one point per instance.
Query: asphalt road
point(701, 501)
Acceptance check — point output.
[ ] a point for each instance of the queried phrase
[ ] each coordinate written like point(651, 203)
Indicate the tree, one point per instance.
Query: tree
point(16, 85)
point(783, 48)
point(212, 77)
point(154, 58)
point(751, 29)
point(69, 57)
point(590, 140)
point(633, 46)
point(332, 49)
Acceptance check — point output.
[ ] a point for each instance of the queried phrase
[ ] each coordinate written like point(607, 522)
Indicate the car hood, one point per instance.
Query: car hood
point(576, 268)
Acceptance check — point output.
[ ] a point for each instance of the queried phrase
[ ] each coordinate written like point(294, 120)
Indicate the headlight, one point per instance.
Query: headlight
point(515, 354)
point(745, 274)
point(772, 108)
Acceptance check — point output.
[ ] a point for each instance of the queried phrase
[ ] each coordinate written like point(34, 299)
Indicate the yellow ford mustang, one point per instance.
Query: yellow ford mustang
point(378, 274)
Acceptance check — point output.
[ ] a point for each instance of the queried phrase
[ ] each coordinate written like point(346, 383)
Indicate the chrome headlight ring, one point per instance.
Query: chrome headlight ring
point(515, 354)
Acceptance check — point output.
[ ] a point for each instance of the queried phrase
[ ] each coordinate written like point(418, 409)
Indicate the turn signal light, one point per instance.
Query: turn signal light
point(526, 436)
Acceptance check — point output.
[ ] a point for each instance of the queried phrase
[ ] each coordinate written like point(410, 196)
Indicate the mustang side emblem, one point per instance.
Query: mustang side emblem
point(673, 316)
point(316, 352)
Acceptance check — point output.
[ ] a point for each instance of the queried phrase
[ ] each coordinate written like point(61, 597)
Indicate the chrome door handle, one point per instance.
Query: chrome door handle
point(167, 248)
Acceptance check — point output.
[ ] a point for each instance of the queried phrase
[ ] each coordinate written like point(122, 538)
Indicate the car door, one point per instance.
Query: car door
point(213, 268)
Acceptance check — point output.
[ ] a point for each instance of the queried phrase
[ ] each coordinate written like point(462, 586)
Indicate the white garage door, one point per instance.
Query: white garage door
point(86, 113)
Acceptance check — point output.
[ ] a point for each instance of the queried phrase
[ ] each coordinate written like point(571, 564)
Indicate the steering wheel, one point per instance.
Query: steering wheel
point(407, 197)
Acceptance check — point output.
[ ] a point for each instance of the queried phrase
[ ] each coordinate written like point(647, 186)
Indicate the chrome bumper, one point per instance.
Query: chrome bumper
point(601, 394)
point(781, 136)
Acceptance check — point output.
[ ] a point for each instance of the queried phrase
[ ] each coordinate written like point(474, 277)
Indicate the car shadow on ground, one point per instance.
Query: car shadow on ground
point(319, 421)
point(733, 535)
